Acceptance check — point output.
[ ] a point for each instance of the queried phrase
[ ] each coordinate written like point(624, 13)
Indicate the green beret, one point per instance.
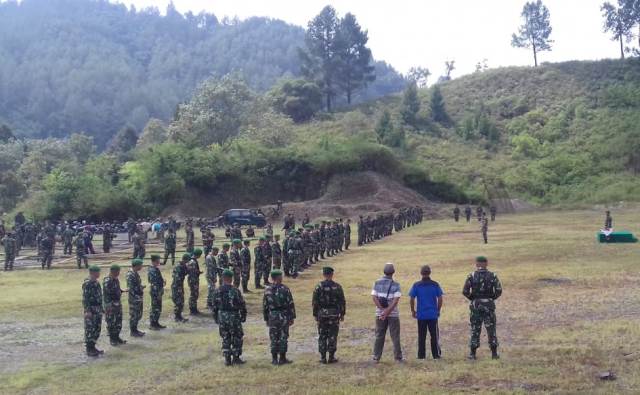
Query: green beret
point(115, 268)
point(246, 242)
point(227, 273)
point(262, 238)
point(136, 262)
point(237, 241)
point(226, 245)
point(327, 270)
point(481, 259)
point(94, 269)
point(186, 257)
point(155, 257)
point(276, 273)
point(197, 252)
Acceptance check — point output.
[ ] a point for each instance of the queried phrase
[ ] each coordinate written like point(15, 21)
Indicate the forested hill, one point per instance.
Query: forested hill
point(89, 65)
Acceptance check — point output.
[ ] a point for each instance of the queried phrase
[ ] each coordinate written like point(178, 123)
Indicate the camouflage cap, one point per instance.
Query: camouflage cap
point(481, 259)
point(276, 273)
point(197, 252)
point(94, 269)
point(227, 273)
point(115, 268)
point(327, 270)
point(136, 262)
point(155, 257)
point(186, 256)
point(237, 241)
point(226, 245)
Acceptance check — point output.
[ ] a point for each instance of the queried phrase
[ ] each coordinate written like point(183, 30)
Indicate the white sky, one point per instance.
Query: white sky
point(409, 33)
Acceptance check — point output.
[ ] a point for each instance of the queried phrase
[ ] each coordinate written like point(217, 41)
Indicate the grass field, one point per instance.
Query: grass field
point(570, 309)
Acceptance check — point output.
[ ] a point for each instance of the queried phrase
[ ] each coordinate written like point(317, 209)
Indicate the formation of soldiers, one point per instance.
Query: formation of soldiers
point(372, 229)
point(481, 215)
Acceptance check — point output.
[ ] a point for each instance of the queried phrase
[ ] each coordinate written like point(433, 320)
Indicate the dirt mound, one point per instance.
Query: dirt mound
point(360, 193)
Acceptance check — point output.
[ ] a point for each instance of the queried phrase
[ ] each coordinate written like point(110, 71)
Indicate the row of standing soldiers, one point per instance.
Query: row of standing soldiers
point(371, 229)
point(480, 212)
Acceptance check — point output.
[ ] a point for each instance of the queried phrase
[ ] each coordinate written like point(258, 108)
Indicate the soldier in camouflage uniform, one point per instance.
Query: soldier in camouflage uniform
point(482, 288)
point(235, 261)
point(193, 280)
point(136, 296)
point(46, 251)
point(207, 241)
point(10, 248)
point(276, 252)
point(329, 308)
point(113, 305)
point(81, 251)
point(286, 259)
point(92, 305)
point(177, 287)
point(295, 254)
point(467, 213)
point(484, 228)
point(170, 247)
point(258, 262)
point(223, 259)
point(156, 283)
point(107, 238)
point(347, 234)
point(279, 313)
point(67, 239)
point(307, 248)
point(191, 238)
point(456, 213)
point(229, 312)
point(267, 260)
point(245, 255)
point(211, 275)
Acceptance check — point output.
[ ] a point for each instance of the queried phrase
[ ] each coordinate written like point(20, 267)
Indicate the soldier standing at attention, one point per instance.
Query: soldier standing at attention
point(467, 213)
point(92, 305)
point(267, 260)
point(229, 312)
point(235, 261)
point(81, 251)
point(177, 287)
point(276, 252)
point(9, 244)
point(170, 247)
point(156, 282)
point(113, 305)
point(207, 241)
point(608, 221)
point(484, 227)
point(46, 249)
point(193, 279)
point(493, 210)
point(456, 213)
point(329, 308)
point(279, 313)
point(190, 238)
point(212, 275)
point(482, 288)
point(245, 256)
point(67, 239)
point(347, 234)
point(223, 259)
point(479, 212)
point(107, 238)
point(135, 289)
point(258, 262)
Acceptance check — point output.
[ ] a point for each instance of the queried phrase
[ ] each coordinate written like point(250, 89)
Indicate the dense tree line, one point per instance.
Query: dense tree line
point(96, 67)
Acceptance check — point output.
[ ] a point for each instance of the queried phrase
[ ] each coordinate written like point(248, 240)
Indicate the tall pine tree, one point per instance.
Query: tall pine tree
point(535, 29)
point(355, 66)
point(619, 21)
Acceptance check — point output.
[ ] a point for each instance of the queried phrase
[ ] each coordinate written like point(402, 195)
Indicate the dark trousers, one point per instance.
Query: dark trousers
point(432, 327)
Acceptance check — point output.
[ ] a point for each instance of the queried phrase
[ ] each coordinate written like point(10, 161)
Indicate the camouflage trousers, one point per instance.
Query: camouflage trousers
point(484, 236)
point(266, 269)
point(245, 274)
point(190, 247)
point(106, 246)
point(113, 318)
point(168, 253)
point(279, 336)
point(47, 257)
point(82, 258)
point(8, 261)
point(231, 333)
point(347, 242)
point(328, 335)
point(177, 295)
point(135, 313)
point(156, 308)
point(277, 262)
point(139, 252)
point(92, 327)
point(483, 314)
point(259, 272)
point(237, 276)
point(194, 294)
point(67, 248)
point(211, 289)
point(296, 261)
point(307, 255)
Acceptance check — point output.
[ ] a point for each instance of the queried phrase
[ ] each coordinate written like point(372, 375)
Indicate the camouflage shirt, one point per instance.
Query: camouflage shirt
point(170, 242)
point(134, 283)
point(156, 282)
point(276, 250)
point(92, 296)
point(245, 253)
point(112, 291)
point(223, 260)
point(212, 268)
point(234, 258)
point(178, 275)
point(277, 304)
point(482, 284)
point(328, 300)
point(193, 271)
point(227, 303)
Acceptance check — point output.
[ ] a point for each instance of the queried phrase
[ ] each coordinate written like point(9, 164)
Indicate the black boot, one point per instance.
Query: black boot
point(245, 287)
point(323, 358)
point(494, 352)
point(91, 350)
point(135, 332)
point(237, 360)
point(283, 359)
point(472, 354)
point(121, 341)
point(113, 340)
point(274, 358)
point(227, 360)
point(159, 326)
point(332, 358)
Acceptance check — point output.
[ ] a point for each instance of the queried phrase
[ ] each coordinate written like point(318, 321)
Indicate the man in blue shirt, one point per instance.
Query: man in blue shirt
point(429, 295)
